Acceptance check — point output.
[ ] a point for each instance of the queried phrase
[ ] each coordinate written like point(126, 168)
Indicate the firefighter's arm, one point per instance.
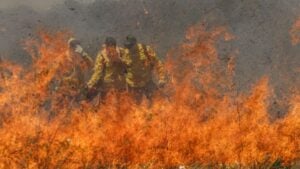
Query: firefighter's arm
point(85, 56)
point(98, 68)
point(87, 59)
point(158, 65)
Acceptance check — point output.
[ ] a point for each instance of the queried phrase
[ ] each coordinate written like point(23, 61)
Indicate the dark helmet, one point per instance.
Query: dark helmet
point(130, 41)
point(110, 41)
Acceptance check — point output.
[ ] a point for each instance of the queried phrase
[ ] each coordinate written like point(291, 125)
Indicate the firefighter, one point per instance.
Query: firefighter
point(78, 65)
point(141, 61)
point(70, 84)
point(109, 70)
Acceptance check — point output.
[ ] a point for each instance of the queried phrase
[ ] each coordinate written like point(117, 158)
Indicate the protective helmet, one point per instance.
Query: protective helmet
point(130, 41)
point(110, 41)
point(72, 42)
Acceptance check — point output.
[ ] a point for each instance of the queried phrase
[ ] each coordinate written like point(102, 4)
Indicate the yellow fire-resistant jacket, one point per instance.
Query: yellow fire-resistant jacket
point(76, 68)
point(109, 71)
point(140, 63)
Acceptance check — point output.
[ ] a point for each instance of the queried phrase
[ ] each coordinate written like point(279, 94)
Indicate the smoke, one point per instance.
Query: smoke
point(35, 4)
point(92, 21)
point(261, 29)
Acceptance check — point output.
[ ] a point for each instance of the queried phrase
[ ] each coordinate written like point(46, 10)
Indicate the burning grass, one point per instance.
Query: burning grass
point(198, 119)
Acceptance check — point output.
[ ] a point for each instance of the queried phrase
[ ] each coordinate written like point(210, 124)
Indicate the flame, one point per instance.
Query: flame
point(198, 119)
point(294, 32)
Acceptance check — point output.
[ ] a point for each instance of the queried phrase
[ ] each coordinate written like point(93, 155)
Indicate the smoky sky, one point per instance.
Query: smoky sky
point(261, 28)
point(38, 5)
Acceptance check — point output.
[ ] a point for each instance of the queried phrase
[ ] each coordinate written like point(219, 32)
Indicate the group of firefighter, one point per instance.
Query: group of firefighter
point(121, 69)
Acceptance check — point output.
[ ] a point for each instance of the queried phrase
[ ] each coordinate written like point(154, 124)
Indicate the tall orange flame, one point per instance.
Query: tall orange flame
point(198, 119)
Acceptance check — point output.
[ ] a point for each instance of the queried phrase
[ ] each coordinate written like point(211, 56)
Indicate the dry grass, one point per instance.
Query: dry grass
point(203, 120)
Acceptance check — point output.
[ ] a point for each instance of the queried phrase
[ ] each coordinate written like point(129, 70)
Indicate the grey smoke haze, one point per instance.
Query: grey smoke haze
point(36, 4)
point(261, 28)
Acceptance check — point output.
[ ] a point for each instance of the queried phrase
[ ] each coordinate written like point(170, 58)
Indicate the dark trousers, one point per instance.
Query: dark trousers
point(139, 93)
point(101, 92)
